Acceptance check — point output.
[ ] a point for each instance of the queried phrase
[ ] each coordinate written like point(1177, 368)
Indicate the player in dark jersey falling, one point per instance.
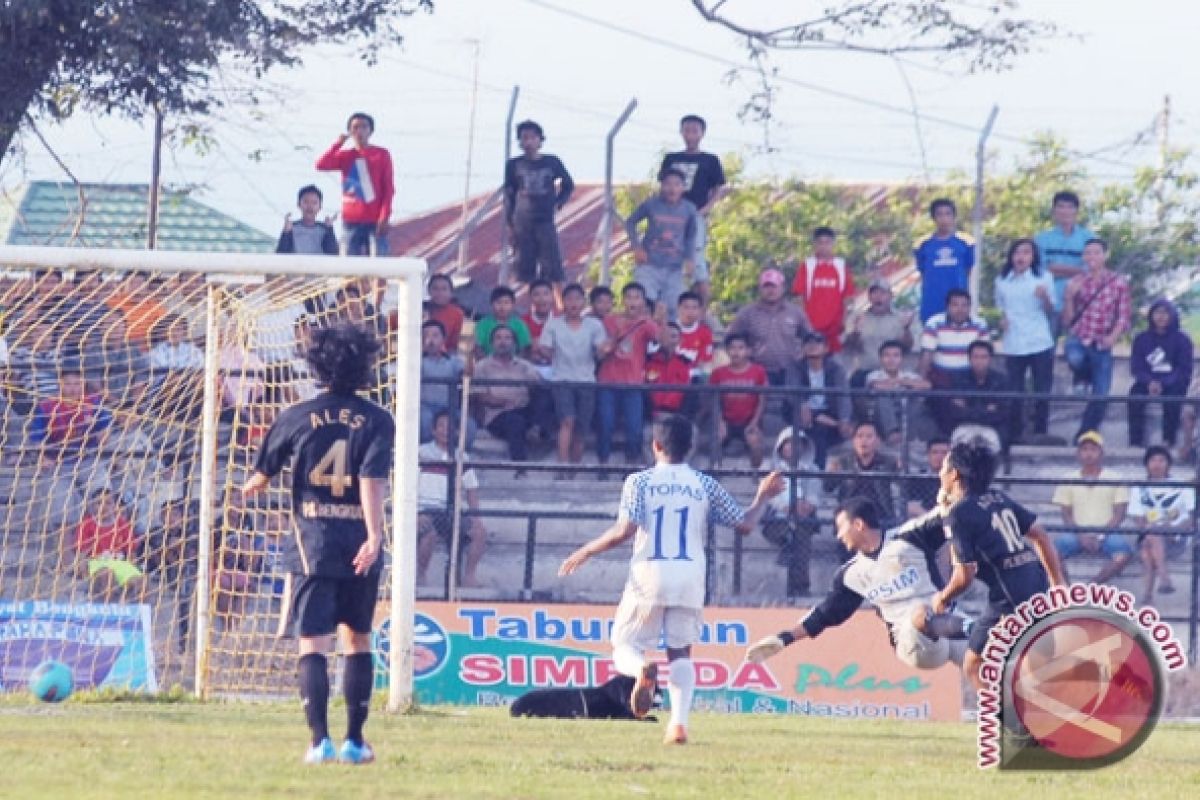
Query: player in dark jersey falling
point(994, 538)
point(339, 448)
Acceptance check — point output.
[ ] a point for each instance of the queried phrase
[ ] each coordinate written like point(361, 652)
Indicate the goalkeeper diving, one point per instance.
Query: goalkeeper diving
point(894, 570)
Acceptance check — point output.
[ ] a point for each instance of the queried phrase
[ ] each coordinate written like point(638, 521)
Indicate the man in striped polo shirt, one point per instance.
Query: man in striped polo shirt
point(946, 343)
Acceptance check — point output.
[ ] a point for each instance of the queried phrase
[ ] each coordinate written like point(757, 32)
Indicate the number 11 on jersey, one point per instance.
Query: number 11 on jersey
point(659, 514)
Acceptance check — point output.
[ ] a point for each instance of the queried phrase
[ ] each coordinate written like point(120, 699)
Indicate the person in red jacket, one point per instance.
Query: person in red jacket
point(667, 367)
point(367, 185)
point(823, 286)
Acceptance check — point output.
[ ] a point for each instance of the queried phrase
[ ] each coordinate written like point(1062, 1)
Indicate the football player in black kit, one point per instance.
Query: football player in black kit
point(339, 447)
point(992, 538)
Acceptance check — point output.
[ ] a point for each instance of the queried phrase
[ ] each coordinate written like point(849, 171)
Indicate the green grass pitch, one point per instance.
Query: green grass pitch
point(233, 750)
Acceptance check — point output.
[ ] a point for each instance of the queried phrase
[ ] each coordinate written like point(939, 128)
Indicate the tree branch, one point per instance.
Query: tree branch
point(983, 38)
point(78, 226)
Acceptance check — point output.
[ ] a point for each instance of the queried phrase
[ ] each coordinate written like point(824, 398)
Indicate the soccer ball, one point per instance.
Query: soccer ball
point(51, 682)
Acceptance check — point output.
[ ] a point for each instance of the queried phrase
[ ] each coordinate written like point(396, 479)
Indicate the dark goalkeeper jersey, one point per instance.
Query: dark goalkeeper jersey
point(988, 530)
point(329, 442)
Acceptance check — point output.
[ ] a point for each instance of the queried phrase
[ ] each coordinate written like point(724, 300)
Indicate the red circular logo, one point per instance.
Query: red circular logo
point(1086, 687)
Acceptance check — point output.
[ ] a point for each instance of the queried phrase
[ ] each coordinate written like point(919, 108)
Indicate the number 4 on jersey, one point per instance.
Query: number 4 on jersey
point(330, 471)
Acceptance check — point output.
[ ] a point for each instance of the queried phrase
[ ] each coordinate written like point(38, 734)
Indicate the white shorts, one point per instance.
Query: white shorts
point(643, 626)
point(917, 650)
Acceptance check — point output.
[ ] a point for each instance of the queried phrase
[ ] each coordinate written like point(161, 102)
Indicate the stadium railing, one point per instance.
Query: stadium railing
point(708, 452)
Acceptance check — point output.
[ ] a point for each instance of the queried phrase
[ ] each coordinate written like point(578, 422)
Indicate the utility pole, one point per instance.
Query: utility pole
point(465, 236)
point(155, 179)
point(1164, 146)
point(977, 211)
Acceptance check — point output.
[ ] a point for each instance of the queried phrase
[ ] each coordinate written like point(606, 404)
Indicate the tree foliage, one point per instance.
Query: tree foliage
point(1150, 223)
point(127, 56)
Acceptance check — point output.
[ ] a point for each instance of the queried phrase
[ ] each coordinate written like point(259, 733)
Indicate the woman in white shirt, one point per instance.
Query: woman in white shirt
point(1025, 296)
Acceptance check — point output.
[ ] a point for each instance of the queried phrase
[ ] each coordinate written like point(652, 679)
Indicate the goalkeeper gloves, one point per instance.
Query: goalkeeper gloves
point(765, 648)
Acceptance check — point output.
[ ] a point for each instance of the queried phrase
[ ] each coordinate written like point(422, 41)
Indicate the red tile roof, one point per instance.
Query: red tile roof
point(432, 236)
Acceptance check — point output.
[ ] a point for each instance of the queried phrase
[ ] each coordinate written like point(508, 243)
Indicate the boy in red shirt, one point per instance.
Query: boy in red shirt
point(367, 185)
point(741, 414)
point(441, 307)
point(105, 546)
point(541, 307)
point(823, 286)
point(695, 337)
point(623, 371)
point(667, 367)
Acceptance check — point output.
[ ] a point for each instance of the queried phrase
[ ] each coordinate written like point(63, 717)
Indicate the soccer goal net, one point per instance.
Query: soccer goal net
point(137, 389)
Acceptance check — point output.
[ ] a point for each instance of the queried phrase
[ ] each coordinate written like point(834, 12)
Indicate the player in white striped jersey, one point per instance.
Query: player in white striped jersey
point(666, 511)
point(894, 570)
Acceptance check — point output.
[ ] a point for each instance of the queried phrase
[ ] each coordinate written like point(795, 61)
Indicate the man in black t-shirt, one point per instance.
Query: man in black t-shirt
point(704, 185)
point(536, 185)
point(339, 448)
point(992, 538)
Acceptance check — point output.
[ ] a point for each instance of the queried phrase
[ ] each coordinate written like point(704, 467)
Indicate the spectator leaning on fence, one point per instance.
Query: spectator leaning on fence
point(944, 258)
point(945, 343)
point(308, 236)
point(1061, 246)
point(506, 411)
point(741, 413)
point(665, 367)
point(536, 186)
point(826, 418)
point(1161, 363)
point(573, 344)
point(889, 409)
point(623, 371)
point(771, 325)
point(368, 185)
point(979, 404)
point(1165, 515)
point(1096, 310)
point(1024, 295)
point(824, 286)
point(1083, 503)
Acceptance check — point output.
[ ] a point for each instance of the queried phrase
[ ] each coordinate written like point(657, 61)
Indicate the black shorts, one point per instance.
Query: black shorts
point(981, 627)
point(537, 246)
point(316, 605)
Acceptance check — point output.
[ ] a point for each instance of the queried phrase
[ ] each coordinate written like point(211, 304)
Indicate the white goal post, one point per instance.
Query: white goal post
point(408, 277)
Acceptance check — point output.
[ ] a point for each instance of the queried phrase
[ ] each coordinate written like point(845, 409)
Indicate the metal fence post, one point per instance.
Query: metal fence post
point(609, 209)
point(505, 261)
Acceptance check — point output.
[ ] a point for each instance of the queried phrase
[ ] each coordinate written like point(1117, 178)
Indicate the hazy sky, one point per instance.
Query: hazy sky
point(1098, 90)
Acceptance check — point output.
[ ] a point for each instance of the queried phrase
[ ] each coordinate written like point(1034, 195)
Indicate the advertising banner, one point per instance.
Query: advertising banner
point(105, 645)
point(491, 653)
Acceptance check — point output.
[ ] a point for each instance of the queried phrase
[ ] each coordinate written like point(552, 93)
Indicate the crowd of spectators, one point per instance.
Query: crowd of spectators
point(81, 356)
point(809, 340)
